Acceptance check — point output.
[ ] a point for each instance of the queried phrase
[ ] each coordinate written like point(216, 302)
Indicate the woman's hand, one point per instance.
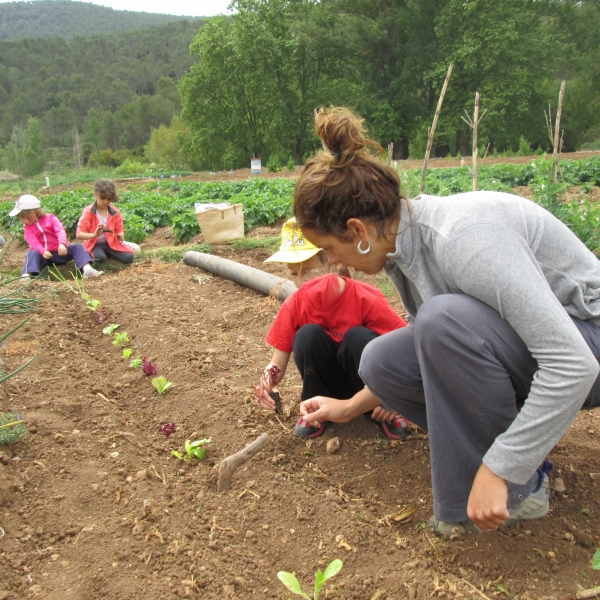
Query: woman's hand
point(319, 409)
point(47, 254)
point(488, 500)
point(99, 230)
point(62, 250)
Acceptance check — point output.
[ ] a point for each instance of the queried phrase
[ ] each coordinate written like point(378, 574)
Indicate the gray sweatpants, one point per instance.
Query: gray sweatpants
point(461, 373)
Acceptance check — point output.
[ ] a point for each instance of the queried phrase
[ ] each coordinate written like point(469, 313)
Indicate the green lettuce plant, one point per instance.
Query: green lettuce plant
point(291, 582)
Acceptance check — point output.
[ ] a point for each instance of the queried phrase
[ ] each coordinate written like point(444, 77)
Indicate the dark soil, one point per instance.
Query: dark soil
point(93, 504)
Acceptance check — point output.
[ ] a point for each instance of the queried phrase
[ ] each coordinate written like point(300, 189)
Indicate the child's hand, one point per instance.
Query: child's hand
point(62, 250)
point(267, 382)
point(47, 254)
point(121, 236)
point(99, 230)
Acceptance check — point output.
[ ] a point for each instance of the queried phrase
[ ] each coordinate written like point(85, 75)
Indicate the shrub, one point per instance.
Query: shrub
point(291, 165)
point(273, 164)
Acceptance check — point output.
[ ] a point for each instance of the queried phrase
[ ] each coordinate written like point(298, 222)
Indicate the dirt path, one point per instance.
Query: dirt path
point(93, 504)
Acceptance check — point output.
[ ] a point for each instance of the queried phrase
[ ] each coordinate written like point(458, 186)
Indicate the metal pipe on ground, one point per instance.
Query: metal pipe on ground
point(258, 280)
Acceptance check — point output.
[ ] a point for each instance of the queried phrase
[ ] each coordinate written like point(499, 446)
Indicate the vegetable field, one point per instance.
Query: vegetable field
point(142, 383)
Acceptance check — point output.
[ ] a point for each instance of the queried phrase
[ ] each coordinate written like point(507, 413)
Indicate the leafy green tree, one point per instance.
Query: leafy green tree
point(24, 153)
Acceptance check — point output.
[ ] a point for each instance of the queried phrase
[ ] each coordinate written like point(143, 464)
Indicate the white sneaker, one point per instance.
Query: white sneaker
point(92, 273)
point(132, 246)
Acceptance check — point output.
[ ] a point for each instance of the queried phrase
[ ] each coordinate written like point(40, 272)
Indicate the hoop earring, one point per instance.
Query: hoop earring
point(366, 251)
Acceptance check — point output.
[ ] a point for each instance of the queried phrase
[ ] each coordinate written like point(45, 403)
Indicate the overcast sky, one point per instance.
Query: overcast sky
point(188, 8)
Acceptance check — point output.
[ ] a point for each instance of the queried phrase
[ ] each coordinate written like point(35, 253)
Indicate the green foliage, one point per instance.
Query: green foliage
point(69, 19)
point(524, 147)
point(291, 582)
point(126, 353)
point(135, 363)
point(291, 165)
point(596, 560)
point(161, 385)
point(273, 164)
point(24, 153)
point(193, 450)
point(109, 329)
point(121, 339)
point(10, 434)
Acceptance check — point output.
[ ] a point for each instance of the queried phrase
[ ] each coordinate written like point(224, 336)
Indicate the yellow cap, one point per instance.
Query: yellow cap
point(295, 248)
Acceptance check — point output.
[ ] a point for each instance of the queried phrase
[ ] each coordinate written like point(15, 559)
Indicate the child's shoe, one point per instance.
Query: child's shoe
point(92, 273)
point(396, 429)
point(132, 246)
point(305, 430)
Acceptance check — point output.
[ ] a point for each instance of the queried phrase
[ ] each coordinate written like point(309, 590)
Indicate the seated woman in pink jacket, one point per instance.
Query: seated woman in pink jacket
point(101, 226)
point(47, 240)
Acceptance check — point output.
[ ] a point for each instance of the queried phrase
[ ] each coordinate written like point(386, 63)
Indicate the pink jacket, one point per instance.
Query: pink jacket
point(47, 233)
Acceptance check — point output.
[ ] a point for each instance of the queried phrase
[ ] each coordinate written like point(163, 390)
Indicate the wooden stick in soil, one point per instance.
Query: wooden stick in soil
point(474, 124)
point(583, 594)
point(431, 131)
point(231, 463)
point(557, 137)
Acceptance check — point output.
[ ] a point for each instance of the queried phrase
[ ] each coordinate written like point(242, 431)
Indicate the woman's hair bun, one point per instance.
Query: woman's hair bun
point(343, 133)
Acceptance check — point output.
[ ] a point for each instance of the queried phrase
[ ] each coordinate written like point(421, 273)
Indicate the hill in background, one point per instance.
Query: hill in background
point(66, 19)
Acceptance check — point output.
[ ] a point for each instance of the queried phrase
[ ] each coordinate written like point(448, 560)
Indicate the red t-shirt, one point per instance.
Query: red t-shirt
point(319, 301)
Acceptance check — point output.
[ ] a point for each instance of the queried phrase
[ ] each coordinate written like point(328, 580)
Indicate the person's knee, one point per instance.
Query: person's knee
point(358, 335)
point(127, 259)
point(438, 315)
point(307, 335)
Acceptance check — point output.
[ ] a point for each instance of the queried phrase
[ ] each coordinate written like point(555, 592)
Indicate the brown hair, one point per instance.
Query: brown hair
point(28, 212)
point(340, 270)
point(105, 188)
point(347, 179)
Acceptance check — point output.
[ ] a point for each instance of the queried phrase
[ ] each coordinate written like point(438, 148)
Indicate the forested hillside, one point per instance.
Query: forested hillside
point(253, 80)
point(66, 19)
point(112, 89)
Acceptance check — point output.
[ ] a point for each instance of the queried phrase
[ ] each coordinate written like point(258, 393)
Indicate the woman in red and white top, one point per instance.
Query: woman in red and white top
point(326, 324)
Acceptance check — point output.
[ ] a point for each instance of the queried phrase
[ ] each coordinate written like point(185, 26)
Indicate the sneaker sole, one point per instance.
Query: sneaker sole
point(302, 431)
point(393, 436)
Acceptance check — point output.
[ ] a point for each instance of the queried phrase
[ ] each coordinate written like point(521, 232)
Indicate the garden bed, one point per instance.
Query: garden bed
point(93, 504)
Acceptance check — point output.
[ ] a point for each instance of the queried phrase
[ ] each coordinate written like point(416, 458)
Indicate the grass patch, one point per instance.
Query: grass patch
point(386, 286)
point(270, 243)
point(170, 254)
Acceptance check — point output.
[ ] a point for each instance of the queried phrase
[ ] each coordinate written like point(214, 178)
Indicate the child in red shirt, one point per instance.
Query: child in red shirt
point(326, 324)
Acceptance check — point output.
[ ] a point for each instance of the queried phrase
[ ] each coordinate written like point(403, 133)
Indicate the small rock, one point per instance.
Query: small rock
point(94, 486)
point(551, 555)
point(239, 582)
point(139, 528)
point(463, 573)
point(114, 454)
point(250, 534)
point(128, 479)
point(33, 429)
point(75, 432)
point(333, 497)
point(34, 590)
point(143, 474)
point(279, 458)
point(59, 438)
point(381, 532)
point(333, 445)
point(228, 591)
point(212, 545)
point(568, 536)
point(265, 527)
point(54, 557)
point(301, 515)
point(584, 539)
point(558, 485)
point(4, 459)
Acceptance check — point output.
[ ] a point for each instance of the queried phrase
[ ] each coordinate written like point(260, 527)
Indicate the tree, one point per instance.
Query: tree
point(24, 154)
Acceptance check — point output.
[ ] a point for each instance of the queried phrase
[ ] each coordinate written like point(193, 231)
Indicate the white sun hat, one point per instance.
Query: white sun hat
point(26, 202)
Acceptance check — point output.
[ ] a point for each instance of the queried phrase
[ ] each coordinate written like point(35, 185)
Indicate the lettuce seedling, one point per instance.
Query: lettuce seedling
point(135, 363)
point(93, 304)
point(121, 339)
point(596, 560)
point(12, 428)
point(168, 429)
point(193, 450)
point(161, 384)
point(102, 318)
point(109, 329)
point(292, 584)
point(149, 368)
point(126, 353)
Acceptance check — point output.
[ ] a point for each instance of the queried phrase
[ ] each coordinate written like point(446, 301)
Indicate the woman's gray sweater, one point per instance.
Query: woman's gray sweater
point(519, 259)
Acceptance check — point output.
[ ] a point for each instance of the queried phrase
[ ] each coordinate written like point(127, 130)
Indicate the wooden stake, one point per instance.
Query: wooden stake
point(390, 152)
point(473, 124)
point(231, 463)
point(557, 136)
point(431, 131)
